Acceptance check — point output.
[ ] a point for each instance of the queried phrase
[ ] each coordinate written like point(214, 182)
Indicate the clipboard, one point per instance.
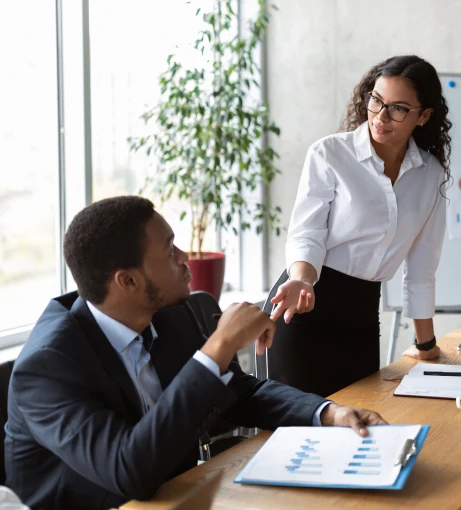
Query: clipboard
point(407, 460)
point(410, 459)
point(431, 380)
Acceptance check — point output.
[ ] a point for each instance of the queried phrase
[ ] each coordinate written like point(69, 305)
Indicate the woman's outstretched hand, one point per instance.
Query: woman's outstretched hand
point(294, 296)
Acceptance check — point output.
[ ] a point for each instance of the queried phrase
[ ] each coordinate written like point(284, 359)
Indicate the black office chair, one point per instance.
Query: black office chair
point(205, 306)
point(261, 362)
point(5, 374)
point(223, 435)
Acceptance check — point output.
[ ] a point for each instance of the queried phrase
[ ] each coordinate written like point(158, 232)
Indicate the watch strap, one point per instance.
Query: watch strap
point(426, 346)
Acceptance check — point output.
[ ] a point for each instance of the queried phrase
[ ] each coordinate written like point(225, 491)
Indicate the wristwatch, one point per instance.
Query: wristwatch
point(426, 346)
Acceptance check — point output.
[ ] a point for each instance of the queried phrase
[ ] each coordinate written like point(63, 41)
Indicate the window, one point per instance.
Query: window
point(127, 56)
point(28, 161)
point(129, 41)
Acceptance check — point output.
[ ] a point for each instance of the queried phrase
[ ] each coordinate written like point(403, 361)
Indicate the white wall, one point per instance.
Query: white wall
point(318, 51)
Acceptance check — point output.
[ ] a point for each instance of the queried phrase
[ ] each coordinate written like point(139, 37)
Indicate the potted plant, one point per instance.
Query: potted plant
point(208, 134)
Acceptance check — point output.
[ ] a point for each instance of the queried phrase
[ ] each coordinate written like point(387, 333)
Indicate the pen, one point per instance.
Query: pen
point(458, 374)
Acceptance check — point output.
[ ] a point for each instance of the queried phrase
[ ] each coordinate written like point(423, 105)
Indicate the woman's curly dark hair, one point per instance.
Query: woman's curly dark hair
point(434, 136)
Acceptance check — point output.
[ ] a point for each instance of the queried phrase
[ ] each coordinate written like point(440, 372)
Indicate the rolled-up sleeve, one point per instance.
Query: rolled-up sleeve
point(308, 230)
point(421, 263)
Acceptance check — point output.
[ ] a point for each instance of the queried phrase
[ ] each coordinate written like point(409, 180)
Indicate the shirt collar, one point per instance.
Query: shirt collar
point(362, 144)
point(412, 157)
point(119, 335)
point(365, 150)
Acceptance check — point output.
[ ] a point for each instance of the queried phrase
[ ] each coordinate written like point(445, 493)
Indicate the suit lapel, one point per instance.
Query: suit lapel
point(106, 353)
point(179, 336)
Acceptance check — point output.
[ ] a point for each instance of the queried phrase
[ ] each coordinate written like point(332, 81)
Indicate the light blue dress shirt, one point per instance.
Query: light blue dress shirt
point(130, 348)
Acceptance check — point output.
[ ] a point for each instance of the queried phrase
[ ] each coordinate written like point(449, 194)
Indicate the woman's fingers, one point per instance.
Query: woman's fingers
point(278, 311)
point(279, 296)
point(310, 303)
point(302, 301)
point(289, 315)
point(291, 299)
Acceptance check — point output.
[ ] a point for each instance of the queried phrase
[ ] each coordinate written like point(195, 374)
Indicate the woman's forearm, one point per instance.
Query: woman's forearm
point(424, 329)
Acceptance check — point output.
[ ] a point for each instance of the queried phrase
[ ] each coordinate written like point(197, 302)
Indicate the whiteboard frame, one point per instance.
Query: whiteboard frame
point(384, 293)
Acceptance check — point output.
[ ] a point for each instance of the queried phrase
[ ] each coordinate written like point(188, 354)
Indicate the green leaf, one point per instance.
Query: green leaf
point(204, 132)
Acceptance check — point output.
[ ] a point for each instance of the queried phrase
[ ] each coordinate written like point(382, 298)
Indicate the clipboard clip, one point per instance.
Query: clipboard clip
point(409, 449)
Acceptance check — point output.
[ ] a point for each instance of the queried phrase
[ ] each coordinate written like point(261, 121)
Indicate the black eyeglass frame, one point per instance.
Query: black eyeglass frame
point(369, 95)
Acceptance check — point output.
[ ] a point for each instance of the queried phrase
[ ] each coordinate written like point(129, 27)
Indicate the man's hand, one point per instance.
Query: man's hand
point(413, 352)
point(240, 325)
point(340, 416)
point(294, 296)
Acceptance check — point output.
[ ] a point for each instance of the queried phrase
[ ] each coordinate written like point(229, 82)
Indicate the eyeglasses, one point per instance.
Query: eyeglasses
point(394, 112)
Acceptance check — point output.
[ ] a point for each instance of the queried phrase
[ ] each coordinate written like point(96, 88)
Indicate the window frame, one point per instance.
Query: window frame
point(73, 21)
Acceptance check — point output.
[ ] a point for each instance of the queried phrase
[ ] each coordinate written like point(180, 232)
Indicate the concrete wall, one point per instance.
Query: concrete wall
point(317, 51)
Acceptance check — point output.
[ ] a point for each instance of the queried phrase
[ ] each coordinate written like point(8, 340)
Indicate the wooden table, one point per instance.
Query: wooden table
point(435, 482)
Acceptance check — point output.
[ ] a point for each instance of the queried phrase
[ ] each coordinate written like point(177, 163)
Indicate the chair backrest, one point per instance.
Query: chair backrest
point(261, 364)
point(5, 373)
point(204, 306)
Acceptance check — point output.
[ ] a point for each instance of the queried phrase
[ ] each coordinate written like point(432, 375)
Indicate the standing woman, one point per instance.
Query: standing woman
point(369, 198)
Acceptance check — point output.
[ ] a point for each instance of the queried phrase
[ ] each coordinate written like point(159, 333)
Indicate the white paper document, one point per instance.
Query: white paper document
point(330, 456)
point(419, 383)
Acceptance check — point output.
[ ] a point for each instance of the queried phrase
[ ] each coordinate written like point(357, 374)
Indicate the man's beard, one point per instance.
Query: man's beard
point(152, 294)
point(155, 298)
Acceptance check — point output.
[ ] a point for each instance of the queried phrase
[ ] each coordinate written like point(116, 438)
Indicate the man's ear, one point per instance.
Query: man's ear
point(126, 280)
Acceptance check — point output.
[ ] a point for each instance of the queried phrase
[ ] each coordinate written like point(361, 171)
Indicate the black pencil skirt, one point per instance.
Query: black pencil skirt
point(336, 344)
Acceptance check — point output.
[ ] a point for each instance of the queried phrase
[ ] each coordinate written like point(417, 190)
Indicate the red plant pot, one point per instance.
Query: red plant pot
point(207, 273)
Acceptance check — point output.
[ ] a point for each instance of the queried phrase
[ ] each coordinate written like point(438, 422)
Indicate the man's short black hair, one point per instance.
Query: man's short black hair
point(104, 237)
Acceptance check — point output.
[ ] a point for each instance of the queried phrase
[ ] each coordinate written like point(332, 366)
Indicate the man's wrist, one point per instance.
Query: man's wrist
point(328, 414)
point(220, 350)
point(316, 421)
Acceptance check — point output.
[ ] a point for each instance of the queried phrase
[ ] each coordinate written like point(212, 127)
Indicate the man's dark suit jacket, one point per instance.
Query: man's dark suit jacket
point(76, 437)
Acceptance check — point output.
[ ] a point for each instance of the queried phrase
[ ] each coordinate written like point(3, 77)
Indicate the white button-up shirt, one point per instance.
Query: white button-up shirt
point(349, 217)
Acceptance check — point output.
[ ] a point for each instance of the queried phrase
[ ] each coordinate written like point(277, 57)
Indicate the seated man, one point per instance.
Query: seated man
point(116, 384)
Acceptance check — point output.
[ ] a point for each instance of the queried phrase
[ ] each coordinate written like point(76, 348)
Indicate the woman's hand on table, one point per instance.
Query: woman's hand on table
point(413, 352)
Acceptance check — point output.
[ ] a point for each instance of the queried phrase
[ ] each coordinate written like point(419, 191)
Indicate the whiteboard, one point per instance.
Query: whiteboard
point(448, 276)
